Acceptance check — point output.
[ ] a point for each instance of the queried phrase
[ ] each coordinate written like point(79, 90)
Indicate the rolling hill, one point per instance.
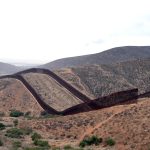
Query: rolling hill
point(112, 71)
point(118, 54)
point(8, 68)
point(128, 125)
point(101, 80)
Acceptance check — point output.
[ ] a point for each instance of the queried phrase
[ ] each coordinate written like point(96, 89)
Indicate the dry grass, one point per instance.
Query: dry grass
point(51, 91)
point(14, 95)
point(128, 125)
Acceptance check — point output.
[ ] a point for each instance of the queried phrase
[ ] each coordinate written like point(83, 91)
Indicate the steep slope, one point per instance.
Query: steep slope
point(71, 77)
point(8, 69)
point(102, 80)
point(58, 97)
point(15, 96)
point(51, 92)
point(113, 55)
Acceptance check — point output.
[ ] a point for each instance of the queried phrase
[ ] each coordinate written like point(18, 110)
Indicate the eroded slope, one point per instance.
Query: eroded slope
point(68, 75)
point(51, 92)
point(14, 95)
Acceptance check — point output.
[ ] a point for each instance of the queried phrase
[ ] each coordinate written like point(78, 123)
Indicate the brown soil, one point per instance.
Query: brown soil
point(128, 125)
point(14, 95)
point(51, 91)
point(69, 76)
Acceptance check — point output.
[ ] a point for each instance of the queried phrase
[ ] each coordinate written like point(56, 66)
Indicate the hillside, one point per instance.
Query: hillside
point(14, 96)
point(51, 92)
point(127, 125)
point(8, 69)
point(101, 80)
point(113, 55)
point(35, 89)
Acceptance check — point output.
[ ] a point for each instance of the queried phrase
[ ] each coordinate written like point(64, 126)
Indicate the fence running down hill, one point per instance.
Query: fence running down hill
point(66, 85)
point(87, 105)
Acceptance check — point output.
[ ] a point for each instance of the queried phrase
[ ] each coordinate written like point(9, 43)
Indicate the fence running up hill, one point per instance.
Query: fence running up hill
point(87, 105)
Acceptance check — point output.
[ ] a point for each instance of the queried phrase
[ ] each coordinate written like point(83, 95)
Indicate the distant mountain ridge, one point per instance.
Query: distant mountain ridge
point(118, 54)
point(6, 68)
point(114, 55)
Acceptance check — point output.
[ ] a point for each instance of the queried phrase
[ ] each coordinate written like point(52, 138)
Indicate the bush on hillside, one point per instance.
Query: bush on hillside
point(94, 140)
point(110, 142)
point(2, 126)
point(41, 143)
point(68, 147)
point(35, 136)
point(16, 145)
point(16, 113)
point(36, 148)
point(14, 133)
point(45, 114)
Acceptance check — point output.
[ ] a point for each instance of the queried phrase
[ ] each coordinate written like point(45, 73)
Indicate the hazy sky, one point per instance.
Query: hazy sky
point(39, 31)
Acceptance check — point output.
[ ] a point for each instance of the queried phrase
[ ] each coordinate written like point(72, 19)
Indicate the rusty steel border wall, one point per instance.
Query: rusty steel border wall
point(88, 105)
point(65, 84)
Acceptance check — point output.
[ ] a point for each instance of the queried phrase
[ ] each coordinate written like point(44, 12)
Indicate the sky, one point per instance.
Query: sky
point(40, 31)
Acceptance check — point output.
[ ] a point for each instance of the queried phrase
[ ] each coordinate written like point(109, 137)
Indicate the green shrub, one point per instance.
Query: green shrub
point(2, 126)
point(15, 122)
point(16, 113)
point(45, 114)
point(16, 145)
point(36, 148)
point(83, 143)
point(68, 147)
point(1, 143)
point(110, 142)
point(41, 143)
point(36, 136)
point(94, 140)
point(14, 133)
